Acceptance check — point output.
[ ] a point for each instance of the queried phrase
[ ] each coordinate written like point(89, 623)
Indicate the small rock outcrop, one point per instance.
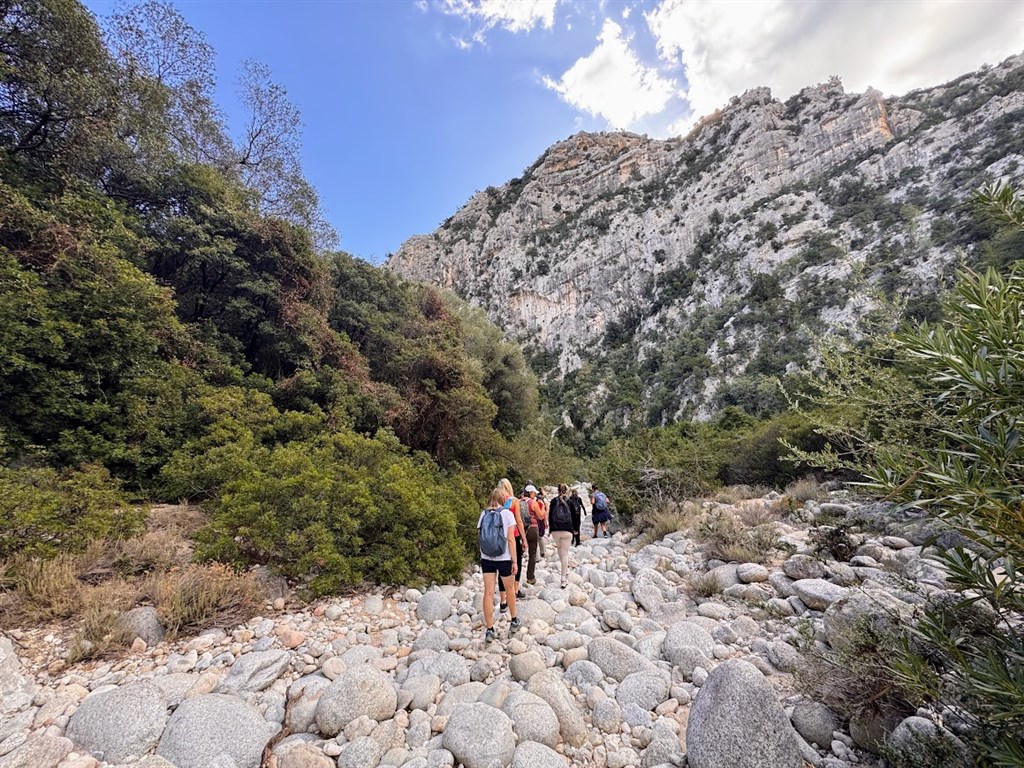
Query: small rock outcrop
point(737, 722)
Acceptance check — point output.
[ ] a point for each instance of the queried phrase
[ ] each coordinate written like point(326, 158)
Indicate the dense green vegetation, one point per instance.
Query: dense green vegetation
point(173, 326)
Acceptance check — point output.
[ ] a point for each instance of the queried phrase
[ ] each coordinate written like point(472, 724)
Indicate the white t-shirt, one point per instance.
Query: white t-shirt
point(508, 522)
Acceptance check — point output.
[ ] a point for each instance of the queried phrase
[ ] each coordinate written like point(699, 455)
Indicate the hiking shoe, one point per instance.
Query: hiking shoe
point(531, 582)
point(489, 635)
point(565, 584)
point(514, 624)
point(520, 595)
point(504, 607)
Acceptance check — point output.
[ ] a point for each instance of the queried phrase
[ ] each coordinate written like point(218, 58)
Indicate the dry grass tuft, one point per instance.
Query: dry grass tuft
point(44, 590)
point(805, 489)
point(667, 520)
point(703, 585)
point(182, 519)
point(726, 537)
point(757, 512)
point(155, 550)
point(734, 494)
point(199, 596)
point(98, 633)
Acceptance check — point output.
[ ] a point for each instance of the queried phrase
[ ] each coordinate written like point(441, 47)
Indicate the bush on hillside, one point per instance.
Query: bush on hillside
point(46, 511)
point(761, 456)
point(339, 509)
point(654, 468)
point(974, 365)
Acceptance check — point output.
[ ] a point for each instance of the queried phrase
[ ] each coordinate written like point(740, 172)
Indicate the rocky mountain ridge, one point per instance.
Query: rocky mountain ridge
point(654, 280)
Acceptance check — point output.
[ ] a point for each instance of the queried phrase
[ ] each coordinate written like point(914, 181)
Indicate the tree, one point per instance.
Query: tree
point(167, 67)
point(57, 96)
point(267, 156)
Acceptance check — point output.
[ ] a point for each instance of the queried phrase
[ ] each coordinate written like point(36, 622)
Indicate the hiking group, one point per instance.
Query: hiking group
point(511, 525)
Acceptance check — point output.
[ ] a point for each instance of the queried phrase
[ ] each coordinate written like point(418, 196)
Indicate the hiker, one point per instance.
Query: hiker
point(531, 518)
point(576, 507)
point(511, 503)
point(496, 528)
point(560, 520)
point(600, 511)
point(541, 508)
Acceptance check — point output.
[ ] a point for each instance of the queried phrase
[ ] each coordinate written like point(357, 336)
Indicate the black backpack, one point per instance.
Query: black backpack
point(561, 517)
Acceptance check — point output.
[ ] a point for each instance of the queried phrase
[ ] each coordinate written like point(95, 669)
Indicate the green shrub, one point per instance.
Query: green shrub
point(974, 366)
point(762, 458)
point(46, 511)
point(340, 509)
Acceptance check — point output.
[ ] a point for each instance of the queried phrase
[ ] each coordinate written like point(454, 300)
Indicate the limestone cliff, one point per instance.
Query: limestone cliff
point(669, 278)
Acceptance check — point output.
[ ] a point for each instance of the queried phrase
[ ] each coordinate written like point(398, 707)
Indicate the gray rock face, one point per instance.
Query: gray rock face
point(870, 730)
point(583, 674)
point(863, 616)
point(433, 606)
point(735, 709)
point(800, 567)
point(649, 588)
point(424, 689)
point(682, 638)
point(38, 752)
point(121, 723)
point(548, 685)
point(815, 722)
point(303, 696)
point(818, 594)
point(726, 576)
point(525, 665)
point(616, 659)
point(467, 693)
point(607, 716)
point(361, 752)
point(645, 689)
point(663, 748)
point(16, 689)
point(361, 690)
point(531, 610)
point(478, 734)
point(433, 639)
point(305, 756)
point(212, 728)
point(532, 718)
point(142, 622)
point(917, 741)
point(530, 754)
point(751, 573)
point(590, 194)
point(253, 672)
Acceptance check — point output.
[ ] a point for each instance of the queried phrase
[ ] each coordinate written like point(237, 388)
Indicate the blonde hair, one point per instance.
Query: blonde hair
point(498, 497)
point(506, 486)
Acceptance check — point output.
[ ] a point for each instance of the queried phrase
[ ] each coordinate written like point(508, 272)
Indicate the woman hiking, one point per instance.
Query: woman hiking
point(560, 521)
point(600, 511)
point(511, 503)
point(497, 525)
point(536, 517)
point(576, 507)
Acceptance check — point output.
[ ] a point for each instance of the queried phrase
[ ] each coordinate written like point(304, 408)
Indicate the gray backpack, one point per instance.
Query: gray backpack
point(492, 534)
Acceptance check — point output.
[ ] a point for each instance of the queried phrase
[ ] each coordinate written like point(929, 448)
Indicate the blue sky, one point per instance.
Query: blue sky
point(410, 107)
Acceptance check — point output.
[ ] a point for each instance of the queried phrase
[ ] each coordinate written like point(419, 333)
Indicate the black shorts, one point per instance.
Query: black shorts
point(500, 567)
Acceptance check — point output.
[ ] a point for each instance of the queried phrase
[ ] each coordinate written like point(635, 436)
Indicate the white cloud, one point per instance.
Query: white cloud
point(728, 47)
point(511, 15)
point(612, 83)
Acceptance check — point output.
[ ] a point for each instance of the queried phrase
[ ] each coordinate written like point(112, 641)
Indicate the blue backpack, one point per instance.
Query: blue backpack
point(492, 534)
point(600, 502)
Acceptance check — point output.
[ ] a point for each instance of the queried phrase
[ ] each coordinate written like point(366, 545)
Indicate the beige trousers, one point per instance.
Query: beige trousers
point(562, 541)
